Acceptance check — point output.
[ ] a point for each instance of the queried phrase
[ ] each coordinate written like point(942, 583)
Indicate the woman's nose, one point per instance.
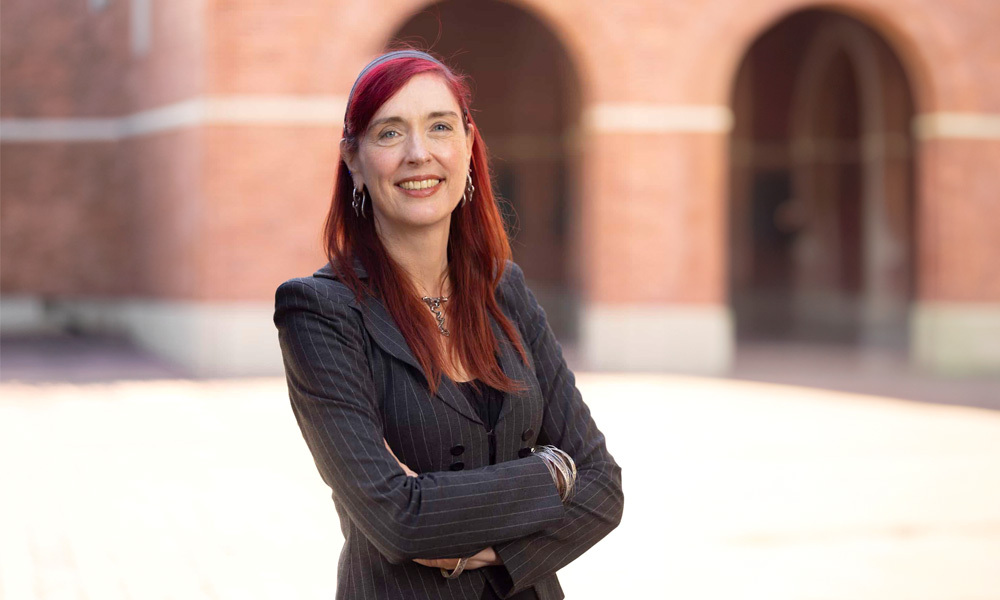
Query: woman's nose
point(416, 151)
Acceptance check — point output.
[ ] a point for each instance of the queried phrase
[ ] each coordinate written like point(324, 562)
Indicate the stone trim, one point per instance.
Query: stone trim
point(328, 110)
point(22, 314)
point(627, 117)
point(140, 27)
point(957, 125)
point(205, 338)
point(956, 337)
point(692, 338)
point(196, 112)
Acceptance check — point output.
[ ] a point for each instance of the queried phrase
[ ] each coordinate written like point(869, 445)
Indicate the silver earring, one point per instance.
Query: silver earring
point(469, 189)
point(358, 202)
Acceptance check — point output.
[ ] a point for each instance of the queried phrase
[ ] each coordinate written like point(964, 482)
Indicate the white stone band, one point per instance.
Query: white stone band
point(957, 125)
point(956, 338)
point(691, 338)
point(328, 110)
point(206, 338)
point(208, 110)
point(627, 117)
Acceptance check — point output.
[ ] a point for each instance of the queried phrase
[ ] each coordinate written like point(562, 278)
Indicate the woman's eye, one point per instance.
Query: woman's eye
point(441, 127)
point(388, 134)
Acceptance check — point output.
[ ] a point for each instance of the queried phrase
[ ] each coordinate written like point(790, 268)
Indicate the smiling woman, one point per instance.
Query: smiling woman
point(414, 157)
point(423, 373)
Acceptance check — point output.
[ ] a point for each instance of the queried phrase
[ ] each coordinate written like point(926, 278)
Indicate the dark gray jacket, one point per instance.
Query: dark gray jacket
point(353, 381)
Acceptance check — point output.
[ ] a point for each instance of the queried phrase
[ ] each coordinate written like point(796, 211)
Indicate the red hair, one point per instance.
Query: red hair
point(478, 248)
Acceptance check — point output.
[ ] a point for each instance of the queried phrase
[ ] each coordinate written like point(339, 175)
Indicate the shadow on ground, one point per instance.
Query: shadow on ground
point(81, 359)
point(873, 372)
point(64, 358)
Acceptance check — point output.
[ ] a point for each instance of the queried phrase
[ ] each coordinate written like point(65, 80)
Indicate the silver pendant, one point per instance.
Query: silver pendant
point(435, 305)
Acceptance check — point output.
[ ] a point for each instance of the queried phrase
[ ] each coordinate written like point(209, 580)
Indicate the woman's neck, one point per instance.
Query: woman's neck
point(423, 255)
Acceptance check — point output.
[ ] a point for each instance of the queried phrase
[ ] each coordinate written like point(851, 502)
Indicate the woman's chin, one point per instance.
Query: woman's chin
point(422, 219)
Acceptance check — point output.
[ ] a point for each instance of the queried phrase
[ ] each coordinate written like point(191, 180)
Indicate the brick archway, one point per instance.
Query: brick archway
point(527, 100)
point(822, 188)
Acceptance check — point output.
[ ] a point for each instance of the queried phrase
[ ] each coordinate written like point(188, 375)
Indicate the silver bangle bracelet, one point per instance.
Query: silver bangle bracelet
point(567, 460)
point(561, 467)
point(458, 569)
point(550, 465)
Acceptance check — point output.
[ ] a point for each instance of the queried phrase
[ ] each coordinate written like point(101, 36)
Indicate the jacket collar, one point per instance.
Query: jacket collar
point(328, 272)
point(383, 330)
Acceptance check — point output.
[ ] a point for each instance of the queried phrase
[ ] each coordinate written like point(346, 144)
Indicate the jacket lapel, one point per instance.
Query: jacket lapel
point(510, 363)
point(379, 324)
point(383, 330)
point(453, 397)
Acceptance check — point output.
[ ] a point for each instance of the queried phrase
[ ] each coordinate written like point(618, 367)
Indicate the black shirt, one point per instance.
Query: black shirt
point(488, 401)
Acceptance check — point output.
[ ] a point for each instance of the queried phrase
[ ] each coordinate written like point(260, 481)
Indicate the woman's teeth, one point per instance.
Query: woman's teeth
point(419, 185)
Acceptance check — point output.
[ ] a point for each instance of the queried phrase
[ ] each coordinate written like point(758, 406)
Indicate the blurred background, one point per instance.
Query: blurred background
point(765, 231)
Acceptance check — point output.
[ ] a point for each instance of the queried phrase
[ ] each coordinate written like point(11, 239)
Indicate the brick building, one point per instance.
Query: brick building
point(684, 175)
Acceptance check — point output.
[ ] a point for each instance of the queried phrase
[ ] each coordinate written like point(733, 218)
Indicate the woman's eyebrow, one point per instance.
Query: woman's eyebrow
point(443, 113)
point(434, 115)
point(385, 120)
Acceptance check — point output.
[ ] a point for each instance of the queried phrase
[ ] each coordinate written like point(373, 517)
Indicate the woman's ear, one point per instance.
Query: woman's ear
point(351, 160)
point(470, 137)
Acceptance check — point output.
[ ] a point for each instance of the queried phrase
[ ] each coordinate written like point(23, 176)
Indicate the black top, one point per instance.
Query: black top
point(488, 401)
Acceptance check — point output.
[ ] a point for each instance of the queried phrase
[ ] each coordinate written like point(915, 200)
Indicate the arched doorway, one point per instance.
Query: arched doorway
point(527, 103)
point(822, 210)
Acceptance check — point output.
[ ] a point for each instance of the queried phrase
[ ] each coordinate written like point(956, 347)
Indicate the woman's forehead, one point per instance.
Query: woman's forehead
point(422, 96)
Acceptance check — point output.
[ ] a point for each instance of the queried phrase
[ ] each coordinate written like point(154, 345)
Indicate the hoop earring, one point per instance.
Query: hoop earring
point(469, 189)
point(358, 201)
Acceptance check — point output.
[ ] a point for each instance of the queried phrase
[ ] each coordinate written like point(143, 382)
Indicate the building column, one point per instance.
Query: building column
point(955, 322)
point(653, 238)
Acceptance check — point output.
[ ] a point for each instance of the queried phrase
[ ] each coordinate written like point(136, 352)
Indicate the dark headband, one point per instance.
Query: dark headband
point(381, 59)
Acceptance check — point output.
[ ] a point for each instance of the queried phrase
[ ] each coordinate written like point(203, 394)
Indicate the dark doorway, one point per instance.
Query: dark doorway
point(821, 213)
point(527, 103)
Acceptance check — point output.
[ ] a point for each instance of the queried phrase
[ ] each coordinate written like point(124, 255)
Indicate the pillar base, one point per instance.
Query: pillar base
point(207, 339)
point(956, 338)
point(689, 338)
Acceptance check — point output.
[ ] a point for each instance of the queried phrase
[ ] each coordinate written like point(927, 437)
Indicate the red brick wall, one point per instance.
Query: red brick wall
point(99, 218)
point(225, 212)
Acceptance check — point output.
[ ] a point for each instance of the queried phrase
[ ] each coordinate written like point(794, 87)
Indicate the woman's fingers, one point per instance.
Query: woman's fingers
point(409, 472)
point(483, 558)
point(439, 563)
point(488, 556)
point(390, 449)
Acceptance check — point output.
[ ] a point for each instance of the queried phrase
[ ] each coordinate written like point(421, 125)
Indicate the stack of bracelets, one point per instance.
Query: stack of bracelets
point(561, 467)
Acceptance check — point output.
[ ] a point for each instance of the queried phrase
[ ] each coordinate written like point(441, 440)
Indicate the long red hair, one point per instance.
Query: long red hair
point(478, 248)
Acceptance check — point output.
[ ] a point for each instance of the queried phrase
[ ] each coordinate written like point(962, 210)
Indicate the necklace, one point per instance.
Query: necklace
point(435, 305)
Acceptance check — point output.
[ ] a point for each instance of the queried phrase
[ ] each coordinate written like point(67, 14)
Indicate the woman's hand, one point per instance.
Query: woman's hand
point(409, 472)
point(483, 558)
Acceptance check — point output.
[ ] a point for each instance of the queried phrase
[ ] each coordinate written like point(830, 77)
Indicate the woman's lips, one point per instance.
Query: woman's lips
point(422, 192)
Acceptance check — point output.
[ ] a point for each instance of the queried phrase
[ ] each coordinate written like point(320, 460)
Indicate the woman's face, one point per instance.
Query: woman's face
point(414, 157)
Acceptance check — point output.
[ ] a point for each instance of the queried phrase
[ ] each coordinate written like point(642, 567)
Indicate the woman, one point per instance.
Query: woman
point(422, 372)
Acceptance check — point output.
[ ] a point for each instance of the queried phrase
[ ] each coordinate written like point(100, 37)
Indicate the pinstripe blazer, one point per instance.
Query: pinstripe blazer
point(353, 381)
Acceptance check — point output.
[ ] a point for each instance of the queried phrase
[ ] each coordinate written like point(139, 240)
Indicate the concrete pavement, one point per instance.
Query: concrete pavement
point(179, 489)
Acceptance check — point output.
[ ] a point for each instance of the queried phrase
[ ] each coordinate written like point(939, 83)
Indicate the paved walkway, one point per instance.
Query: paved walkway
point(176, 489)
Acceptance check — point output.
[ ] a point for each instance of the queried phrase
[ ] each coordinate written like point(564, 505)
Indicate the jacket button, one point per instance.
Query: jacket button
point(523, 452)
point(457, 449)
point(527, 434)
point(457, 466)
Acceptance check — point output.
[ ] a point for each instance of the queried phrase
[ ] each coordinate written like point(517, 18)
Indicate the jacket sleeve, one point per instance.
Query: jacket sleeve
point(435, 515)
point(597, 503)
